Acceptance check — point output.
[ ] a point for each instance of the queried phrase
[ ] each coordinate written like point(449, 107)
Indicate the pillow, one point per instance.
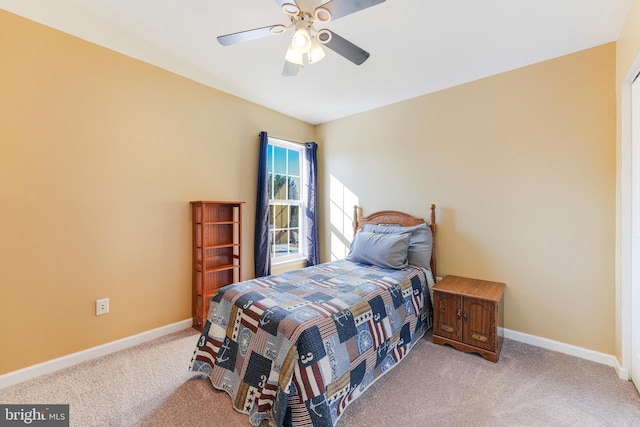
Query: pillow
point(383, 250)
point(420, 243)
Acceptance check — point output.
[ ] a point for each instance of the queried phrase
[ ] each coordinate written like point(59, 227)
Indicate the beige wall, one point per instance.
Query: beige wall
point(522, 168)
point(627, 64)
point(100, 153)
point(99, 157)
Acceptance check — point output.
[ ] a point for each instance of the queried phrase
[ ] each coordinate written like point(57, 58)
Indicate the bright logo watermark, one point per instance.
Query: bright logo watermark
point(34, 415)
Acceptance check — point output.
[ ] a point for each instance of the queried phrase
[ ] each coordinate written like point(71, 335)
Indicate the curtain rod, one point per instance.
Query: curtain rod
point(286, 140)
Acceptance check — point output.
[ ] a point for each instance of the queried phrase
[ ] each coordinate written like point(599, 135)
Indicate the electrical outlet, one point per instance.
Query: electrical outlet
point(102, 306)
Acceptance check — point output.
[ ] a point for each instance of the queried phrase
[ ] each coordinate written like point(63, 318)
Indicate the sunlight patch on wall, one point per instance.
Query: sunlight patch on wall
point(341, 203)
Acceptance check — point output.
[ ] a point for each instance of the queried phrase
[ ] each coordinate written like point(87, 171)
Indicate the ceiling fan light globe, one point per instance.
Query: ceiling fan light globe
point(293, 56)
point(316, 54)
point(301, 40)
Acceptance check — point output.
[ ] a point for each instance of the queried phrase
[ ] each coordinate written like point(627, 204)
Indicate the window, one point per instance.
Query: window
point(285, 199)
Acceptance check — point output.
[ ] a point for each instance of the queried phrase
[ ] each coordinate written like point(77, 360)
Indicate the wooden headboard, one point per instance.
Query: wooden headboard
point(399, 218)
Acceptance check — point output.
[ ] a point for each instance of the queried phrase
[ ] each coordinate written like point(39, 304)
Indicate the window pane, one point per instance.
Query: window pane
point(270, 158)
point(281, 246)
point(294, 188)
point(282, 216)
point(271, 217)
point(294, 163)
point(293, 241)
point(270, 185)
point(280, 160)
point(295, 214)
point(272, 242)
point(279, 187)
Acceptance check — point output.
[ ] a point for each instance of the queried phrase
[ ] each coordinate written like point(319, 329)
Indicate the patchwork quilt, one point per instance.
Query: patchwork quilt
point(299, 347)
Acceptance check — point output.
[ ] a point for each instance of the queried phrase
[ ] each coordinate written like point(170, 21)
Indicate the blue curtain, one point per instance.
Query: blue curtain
point(311, 204)
point(261, 249)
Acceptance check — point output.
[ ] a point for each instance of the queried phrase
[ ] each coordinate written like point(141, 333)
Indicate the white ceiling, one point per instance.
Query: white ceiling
point(416, 46)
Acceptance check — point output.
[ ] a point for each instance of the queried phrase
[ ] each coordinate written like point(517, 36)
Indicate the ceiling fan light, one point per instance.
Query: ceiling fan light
point(301, 40)
point(316, 53)
point(322, 14)
point(293, 56)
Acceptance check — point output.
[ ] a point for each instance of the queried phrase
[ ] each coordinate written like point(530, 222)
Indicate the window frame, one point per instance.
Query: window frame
point(298, 147)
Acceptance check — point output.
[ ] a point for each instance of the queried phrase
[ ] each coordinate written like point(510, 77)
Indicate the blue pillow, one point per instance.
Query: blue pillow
point(420, 243)
point(383, 250)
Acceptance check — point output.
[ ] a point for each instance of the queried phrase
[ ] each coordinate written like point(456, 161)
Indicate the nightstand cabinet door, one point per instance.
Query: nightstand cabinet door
point(448, 315)
point(479, 320)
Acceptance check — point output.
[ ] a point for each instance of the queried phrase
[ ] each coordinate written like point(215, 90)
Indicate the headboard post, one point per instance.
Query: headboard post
point(355, 219)
point(432, 208)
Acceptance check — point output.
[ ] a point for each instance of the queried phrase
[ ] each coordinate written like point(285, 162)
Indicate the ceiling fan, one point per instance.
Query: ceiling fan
point(307, 41)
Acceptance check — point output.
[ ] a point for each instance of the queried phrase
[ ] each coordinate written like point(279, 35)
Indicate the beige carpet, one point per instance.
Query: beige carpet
point(149, 385)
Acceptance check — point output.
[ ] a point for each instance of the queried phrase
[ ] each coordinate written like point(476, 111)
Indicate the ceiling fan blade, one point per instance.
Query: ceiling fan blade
point(245, 36)
point(290, 69)
point(340, 8)
point(347, 49)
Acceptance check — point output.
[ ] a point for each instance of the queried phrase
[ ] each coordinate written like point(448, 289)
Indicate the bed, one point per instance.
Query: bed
point(297, 348)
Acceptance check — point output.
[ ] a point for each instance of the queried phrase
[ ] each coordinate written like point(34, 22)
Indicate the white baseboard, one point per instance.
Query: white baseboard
point(583, 353)
point(34, 371)
point(49, 366)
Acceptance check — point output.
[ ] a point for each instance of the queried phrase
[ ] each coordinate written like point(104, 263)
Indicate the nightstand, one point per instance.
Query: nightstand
point(468, 315)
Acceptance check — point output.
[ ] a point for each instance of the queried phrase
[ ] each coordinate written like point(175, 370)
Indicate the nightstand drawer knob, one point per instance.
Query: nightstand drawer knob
point(479, 337)
point(447, 328)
